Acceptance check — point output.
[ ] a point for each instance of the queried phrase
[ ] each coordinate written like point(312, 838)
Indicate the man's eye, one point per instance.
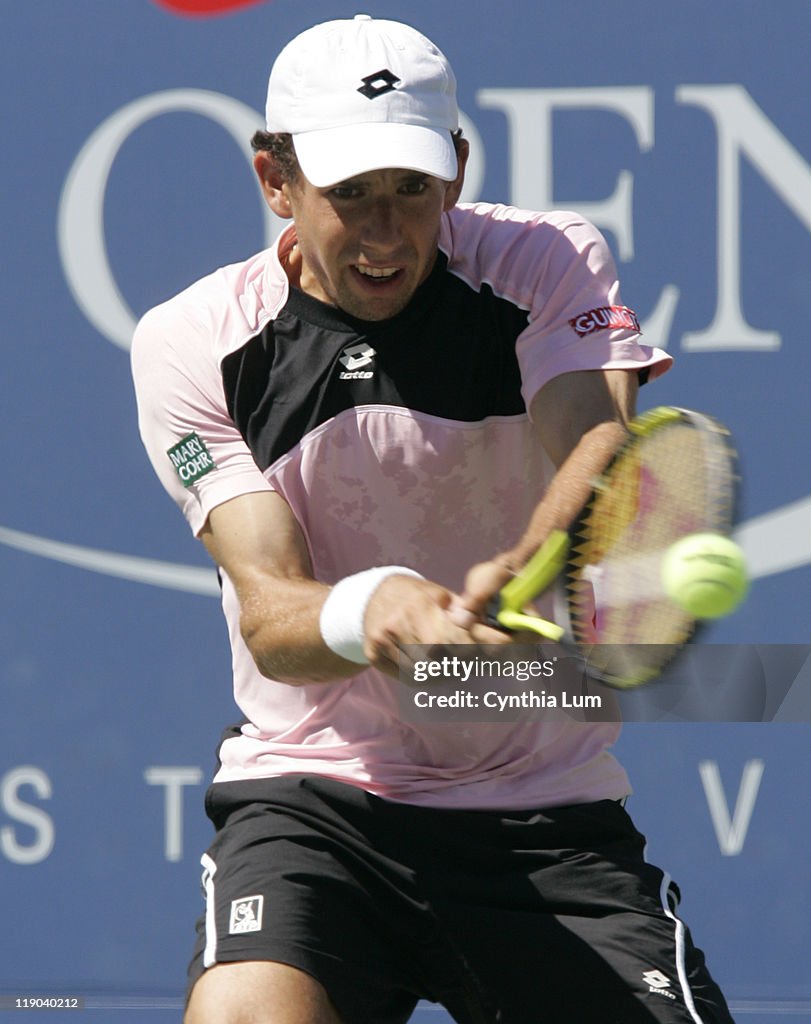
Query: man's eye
point(344, 192)
point(414, 188)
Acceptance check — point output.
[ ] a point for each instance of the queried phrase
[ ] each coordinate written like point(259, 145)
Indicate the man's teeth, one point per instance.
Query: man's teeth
point(376, 271)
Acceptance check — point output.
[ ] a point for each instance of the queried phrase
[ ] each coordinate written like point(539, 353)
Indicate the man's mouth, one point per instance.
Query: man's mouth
point(377, 273)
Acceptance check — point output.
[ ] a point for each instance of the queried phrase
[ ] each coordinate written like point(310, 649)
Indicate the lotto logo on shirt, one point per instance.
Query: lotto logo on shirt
point(356, 358)
point(605, 318)
point(191, 459)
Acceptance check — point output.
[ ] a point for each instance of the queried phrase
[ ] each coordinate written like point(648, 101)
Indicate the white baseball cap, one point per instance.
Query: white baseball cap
point(363, 94)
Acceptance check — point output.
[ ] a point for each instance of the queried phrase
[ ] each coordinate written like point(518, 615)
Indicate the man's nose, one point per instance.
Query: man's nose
point(382, 229)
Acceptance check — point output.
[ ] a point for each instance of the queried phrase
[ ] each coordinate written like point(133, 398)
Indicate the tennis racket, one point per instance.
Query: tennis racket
point(675, 475)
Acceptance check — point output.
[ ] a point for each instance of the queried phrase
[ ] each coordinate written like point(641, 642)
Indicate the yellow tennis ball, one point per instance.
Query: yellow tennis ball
point(705, 574)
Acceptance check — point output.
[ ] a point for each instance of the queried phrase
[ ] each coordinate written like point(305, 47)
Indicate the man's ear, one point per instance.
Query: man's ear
point(273, 186)
point(454, 189)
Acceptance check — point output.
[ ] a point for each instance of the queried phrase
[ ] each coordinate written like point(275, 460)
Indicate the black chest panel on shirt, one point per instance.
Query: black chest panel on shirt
point(450, 353)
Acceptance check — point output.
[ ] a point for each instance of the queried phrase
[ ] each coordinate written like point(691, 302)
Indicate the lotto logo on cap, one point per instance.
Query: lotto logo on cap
point(362, 95)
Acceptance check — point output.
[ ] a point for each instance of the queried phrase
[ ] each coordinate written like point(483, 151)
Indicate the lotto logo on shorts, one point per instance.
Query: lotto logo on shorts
point(191, 459)
point(604, 318)
point(246, 915)
point(658, 983)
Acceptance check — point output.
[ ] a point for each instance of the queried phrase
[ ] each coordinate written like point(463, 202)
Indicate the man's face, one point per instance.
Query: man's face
point(367, 243)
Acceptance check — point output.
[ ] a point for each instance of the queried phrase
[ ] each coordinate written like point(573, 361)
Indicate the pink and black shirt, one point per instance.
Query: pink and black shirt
point(404, 442)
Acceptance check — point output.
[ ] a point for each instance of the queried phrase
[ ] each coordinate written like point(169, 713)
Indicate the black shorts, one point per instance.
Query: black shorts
point(526, 917)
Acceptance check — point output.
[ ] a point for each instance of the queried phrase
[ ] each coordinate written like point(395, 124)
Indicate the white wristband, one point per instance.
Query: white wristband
point(344, 611)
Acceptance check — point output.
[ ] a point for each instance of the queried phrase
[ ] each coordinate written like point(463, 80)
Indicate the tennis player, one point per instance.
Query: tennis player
point(359, 423)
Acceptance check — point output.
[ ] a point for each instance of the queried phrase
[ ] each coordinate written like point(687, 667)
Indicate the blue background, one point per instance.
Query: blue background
point(103, 677)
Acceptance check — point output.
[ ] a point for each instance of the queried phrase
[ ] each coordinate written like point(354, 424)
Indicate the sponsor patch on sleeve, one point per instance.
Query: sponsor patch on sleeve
point(191, 459)
point(605, 318)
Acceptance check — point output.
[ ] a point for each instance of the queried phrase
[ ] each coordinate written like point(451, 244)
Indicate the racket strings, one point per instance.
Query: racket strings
point(674, 480)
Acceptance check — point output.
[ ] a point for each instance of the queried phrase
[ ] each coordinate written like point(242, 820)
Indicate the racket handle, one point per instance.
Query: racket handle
point(507, 608)
point(539, 572)
point(520, 622)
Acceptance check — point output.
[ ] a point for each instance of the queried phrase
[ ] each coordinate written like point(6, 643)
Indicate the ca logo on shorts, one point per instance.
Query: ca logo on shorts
point(246, 915)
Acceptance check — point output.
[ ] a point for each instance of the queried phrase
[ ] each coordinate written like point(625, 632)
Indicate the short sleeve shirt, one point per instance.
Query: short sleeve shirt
point(406, 441)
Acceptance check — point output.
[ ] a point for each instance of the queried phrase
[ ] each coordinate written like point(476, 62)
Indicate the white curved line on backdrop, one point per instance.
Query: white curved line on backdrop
point(170, 575)
point(778, 540)
point(774, 542)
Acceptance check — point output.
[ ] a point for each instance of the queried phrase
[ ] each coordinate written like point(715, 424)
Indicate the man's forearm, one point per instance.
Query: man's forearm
point(280, 626)
point(569, 489)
